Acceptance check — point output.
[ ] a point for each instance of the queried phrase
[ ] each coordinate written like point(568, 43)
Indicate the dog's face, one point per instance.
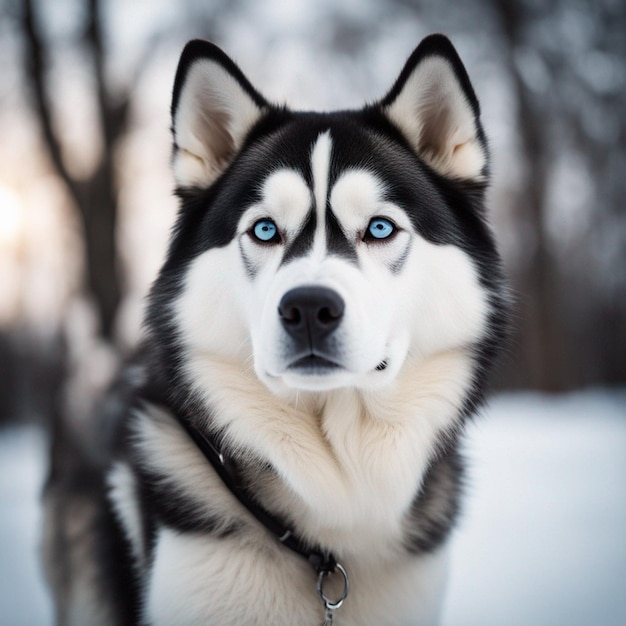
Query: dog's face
point(327, 249)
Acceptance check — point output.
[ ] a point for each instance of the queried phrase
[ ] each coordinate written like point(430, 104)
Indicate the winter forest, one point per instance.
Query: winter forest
point(86, 205)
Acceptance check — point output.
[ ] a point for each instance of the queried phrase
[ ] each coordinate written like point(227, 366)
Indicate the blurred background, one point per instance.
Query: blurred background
point(86, 204)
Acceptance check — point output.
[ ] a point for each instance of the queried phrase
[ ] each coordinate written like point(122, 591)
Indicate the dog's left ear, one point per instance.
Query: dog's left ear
point(214, 106)
point(434, 105)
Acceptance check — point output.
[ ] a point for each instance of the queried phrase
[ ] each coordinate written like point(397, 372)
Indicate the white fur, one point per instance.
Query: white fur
point(435, 303)
point(123, 495)
point(286, 199)
point(358, 196)
point(227, 582)
point(435, 116)
point(180, 463)
point(213, 116)
point(209, 312)
point(215, 309)
point(220, 582)
point(320, 167)
point(355, 449)
point(201, 579)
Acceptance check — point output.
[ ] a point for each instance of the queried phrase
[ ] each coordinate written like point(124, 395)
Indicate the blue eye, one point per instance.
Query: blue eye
point(265, 230)
point(380, 228)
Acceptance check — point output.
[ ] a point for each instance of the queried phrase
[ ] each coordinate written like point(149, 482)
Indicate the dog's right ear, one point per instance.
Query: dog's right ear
point(214, 106)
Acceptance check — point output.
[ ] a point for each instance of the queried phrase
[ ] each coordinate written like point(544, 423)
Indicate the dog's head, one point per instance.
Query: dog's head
point(326, 249)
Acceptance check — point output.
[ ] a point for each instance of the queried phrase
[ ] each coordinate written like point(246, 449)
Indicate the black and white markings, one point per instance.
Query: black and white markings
point(319, 222)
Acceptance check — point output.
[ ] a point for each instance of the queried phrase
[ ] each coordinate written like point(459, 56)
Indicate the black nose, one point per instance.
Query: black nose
point(309, 314)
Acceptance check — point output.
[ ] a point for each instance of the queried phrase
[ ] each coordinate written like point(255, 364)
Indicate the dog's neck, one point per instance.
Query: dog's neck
point(342, 450)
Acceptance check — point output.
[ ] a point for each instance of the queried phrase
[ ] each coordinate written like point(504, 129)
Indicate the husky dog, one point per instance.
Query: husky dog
point(284, 448)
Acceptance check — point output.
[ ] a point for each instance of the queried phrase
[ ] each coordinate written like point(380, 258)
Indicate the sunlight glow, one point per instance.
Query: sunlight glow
point(11, 215)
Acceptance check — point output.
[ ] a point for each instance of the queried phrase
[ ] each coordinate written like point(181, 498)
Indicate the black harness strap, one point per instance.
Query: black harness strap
point(321, 560)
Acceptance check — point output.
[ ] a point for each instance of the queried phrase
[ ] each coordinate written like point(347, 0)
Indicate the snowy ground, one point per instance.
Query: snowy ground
point(543, 542)
point(543, 539)
point(23, 598)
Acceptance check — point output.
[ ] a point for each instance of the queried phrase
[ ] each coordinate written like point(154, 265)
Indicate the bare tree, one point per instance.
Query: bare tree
point(95, 198)
point(569, 329)
point(539, 336)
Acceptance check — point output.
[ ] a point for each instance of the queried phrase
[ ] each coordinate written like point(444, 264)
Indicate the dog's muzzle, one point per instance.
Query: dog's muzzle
point(310, 315)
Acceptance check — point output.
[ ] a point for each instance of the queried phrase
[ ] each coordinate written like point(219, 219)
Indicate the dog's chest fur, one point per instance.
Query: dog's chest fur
point(350, 476)
point(235, 581)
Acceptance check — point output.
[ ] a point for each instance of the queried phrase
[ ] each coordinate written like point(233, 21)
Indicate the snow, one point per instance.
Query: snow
point(542, 541)
point(23, 597)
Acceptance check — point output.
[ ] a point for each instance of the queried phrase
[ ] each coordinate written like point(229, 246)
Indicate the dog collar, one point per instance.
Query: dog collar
point(323, 562)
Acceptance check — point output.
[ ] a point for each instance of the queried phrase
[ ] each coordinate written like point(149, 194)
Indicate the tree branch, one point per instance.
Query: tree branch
point(94, 40)
point(113, 111)
point(35, 63)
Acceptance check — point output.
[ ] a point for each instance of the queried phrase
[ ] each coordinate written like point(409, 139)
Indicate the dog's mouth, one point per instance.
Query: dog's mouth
point(316, 364)
point(313, 364)
point(313, 372)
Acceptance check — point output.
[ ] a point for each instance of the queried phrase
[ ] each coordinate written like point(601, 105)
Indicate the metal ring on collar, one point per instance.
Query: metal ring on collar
point(330, 604)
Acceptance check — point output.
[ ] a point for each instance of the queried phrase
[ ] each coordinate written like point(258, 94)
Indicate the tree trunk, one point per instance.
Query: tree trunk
point(98, 210)
point(540, 336)
point(95, 199)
